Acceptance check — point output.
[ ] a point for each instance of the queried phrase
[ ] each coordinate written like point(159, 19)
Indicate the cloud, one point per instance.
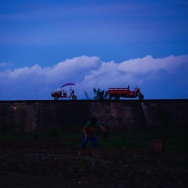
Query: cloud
point(38, 82)
point(3, 64)
point(148, 63)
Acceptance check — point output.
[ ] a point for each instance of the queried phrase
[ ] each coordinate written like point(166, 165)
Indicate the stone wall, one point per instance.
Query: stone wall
point(18, 116)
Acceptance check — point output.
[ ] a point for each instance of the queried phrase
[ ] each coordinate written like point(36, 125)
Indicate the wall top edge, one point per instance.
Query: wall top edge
point(72, 101)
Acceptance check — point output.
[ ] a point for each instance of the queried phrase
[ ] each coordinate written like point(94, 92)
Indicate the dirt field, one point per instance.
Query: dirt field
point(55, 163)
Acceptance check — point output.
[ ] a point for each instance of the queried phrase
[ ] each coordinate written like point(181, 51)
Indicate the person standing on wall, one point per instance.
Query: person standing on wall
point(89, 131)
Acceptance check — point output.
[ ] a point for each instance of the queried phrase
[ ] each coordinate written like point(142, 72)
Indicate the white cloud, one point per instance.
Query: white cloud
point(73, 68)
point(88, 72)
point(3, 64)
point(148, 63)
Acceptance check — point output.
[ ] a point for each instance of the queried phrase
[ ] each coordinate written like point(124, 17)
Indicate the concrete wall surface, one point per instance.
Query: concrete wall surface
point(126, 114)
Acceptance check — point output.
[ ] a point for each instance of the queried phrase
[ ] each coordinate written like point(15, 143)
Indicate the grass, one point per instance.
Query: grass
point(46, 132)
point(173, 141)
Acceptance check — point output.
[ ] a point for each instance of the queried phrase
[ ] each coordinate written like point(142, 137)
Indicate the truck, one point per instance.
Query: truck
point(59, 94)
point(125, 93)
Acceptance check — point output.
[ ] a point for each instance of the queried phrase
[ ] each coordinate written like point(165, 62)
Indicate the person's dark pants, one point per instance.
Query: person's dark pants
point(85, 141)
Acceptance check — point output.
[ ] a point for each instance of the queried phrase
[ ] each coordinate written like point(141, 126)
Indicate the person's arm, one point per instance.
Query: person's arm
point(84, 130)
point(105, 131)
point(102, 128)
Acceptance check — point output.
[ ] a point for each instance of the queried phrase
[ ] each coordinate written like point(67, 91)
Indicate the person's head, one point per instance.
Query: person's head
point(93, 121)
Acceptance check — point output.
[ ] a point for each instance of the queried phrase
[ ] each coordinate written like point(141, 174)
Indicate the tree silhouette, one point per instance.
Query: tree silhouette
point(100, 95)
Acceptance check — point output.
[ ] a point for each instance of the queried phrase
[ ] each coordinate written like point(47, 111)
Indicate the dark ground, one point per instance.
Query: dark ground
point(55, 163)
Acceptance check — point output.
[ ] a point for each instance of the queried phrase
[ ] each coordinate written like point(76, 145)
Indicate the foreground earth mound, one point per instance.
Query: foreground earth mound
point(55, 163)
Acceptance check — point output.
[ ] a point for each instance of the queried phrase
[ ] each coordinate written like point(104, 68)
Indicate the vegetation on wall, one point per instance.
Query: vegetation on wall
point(100, 94)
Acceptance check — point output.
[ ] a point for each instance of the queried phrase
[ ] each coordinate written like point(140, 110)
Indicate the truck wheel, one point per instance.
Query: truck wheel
point(56, 98)
point(117, 98)
point(141, 97)
point(74, 97)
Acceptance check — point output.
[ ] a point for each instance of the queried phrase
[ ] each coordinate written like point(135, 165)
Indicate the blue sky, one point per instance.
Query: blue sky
point(101, 44)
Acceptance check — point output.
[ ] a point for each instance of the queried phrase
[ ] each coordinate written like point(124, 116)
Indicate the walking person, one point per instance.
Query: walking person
point(89, 131)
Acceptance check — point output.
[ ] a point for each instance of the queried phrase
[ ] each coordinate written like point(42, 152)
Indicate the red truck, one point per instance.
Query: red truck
point(125, 93)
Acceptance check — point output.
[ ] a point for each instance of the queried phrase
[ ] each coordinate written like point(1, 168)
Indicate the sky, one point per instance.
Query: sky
point(94, 44)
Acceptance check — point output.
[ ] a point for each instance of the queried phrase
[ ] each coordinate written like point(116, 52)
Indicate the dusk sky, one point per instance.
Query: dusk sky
point(95, 44)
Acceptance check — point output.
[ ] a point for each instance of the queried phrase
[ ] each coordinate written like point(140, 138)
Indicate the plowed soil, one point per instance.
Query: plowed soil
point(55, 163)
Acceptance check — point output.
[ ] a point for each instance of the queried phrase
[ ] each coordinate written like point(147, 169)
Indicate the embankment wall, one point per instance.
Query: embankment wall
point(144, 115)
